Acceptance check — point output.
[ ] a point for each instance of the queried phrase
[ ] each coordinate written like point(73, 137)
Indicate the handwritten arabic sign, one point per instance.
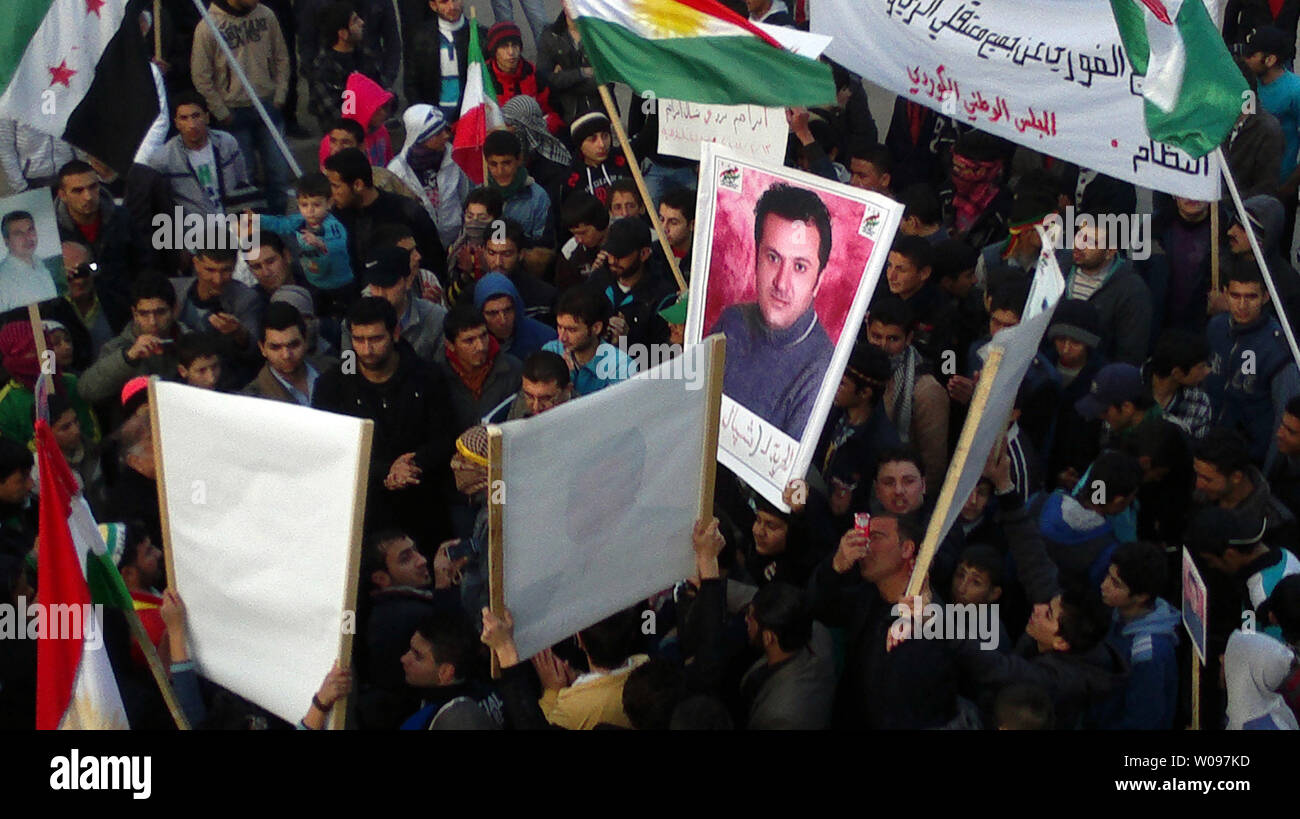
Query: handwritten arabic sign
point(752, 131)
point(1048, 74)
point(787, 340)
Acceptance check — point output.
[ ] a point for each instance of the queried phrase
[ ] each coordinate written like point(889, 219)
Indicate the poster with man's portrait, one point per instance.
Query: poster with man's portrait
point(789, 263)
point(31, 259)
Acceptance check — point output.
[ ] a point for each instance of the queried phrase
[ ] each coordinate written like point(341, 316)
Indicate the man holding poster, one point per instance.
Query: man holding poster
point(780, 334)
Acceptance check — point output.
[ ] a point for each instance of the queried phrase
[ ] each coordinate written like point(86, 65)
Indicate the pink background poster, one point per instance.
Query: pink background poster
point(731, 263)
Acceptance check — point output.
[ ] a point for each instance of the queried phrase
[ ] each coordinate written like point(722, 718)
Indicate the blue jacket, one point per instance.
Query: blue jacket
point(1250, 402)
point(1080, 553)
point(328, 270)
point(1149, 700)
point(530, 334)
point(531, 208)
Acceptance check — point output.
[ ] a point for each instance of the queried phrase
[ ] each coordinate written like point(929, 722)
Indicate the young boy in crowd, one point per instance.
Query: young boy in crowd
point(319, 240)
point(199, 362)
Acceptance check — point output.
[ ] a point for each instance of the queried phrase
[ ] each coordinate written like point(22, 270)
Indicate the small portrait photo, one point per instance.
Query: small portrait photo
point(791, 262)
point(31, 260)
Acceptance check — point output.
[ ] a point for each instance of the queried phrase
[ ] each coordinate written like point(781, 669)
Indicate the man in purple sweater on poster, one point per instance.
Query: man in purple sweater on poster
point(777, 350)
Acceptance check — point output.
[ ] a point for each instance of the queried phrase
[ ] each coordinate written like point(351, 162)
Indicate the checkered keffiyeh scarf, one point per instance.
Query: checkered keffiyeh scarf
point(526, 116)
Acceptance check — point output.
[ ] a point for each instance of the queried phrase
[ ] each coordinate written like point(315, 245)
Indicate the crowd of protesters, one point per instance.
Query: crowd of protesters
point(1161, 413)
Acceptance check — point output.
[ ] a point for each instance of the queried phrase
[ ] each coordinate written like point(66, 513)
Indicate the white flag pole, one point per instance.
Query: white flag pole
point(1259, 256)
point(248, 86)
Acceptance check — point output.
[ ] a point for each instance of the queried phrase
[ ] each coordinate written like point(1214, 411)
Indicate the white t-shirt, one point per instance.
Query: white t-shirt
point(204, 163)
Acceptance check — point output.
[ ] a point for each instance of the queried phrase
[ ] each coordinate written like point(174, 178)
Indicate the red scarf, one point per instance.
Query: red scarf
point(974, 187)
point(474, 379)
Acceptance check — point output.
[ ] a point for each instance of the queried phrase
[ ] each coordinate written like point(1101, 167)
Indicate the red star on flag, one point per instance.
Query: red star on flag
point(94, 6)
point(61, 74)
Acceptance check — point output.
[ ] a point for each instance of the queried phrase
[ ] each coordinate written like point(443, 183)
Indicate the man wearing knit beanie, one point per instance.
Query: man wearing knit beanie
point(514, 75)
point(1074, 333)
point(595, 167)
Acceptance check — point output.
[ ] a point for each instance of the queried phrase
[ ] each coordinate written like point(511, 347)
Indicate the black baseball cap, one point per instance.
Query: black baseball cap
point(386, 266)
point(1114, 384)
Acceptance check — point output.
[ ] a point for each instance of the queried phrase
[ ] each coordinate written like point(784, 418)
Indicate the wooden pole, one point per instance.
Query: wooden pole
point(157, 29)
point(709, 458)
point(496, 532)
point(626, 143)
point(156, 432)
point(156, 669)
point(1196, 692)
point(339, 711)
point(1214, 248)
point(959, 457)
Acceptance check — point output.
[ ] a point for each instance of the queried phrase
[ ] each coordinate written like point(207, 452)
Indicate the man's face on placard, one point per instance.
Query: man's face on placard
point(20, 238)
point(787, 271)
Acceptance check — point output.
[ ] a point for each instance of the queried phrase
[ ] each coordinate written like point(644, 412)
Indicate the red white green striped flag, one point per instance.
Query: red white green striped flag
point(75, 686)
point(78, 69)
point(696, 50)
point(479, 113)
point(1193, 89)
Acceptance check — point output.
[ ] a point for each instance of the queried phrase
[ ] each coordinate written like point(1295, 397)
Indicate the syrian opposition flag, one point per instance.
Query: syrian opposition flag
point(75, 687)
point(696, 50)
point(479, 113)
point(1193, 89)
point(79, 69)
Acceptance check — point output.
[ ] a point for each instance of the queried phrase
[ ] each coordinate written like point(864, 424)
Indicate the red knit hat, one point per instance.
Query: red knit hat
point(502, 33)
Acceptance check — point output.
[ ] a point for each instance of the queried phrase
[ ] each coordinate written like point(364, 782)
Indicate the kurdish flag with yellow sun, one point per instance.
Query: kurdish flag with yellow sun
point(696, 50)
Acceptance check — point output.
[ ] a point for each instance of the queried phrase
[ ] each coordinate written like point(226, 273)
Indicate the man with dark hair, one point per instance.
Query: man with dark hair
point(581, 316)
point(1102, 276)
point(1076, 524)
point(440, 661)
point(86, 215)
point(503, 251)
point(780, 332)
point(1180, 363)
point(870, 168)
point(362, 208)
point(634, 282)
point(390, 275)
point(1145, 629)
point(405, 590)
point(343, 53)
point(1284, 472)
point(677, 216)
point(525, 201)
point(1235, 545)
point(583, 702)
point(198, 361)
point(1226, 478)
point(954, 271)
point(466, 259)
point(1119, 399)
point(411, 406)
point(212, 302)
point(479, 374)
point(290, 372)
point(625, 200)
point(544, 385)
point(146, 346)
point(258, 44)
point(922, 214)
point(915, 402)
point(347, 133)
point(17, 511)
point(271, 266)
point(587, 221)
point(1252, 375)
point(856, 431)
point(204, 166)
point(908, 276)
point(792, 686)
point(23, 279)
